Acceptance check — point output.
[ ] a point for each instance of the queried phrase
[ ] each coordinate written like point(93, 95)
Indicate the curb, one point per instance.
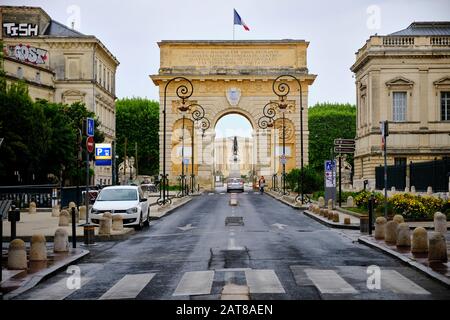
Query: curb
point(330, 223)
point(284, 201)
point(170, 210)
point(46, 273)
point(418, 266)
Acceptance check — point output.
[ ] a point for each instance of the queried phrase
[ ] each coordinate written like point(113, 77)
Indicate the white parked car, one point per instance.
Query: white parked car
point(128, 201)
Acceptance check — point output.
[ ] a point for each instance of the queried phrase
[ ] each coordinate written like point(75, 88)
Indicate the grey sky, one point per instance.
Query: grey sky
point(335, 30)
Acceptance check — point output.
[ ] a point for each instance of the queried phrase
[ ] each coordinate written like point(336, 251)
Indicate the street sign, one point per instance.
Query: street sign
point(103, 154)
point(344, 142)
point(344, 149)
point(90, 127)
point(283, 159)
point(330, 177)
point(186, 161)
point(90, 144)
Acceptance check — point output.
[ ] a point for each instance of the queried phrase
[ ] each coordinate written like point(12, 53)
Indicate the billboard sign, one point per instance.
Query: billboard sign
point(103, 154)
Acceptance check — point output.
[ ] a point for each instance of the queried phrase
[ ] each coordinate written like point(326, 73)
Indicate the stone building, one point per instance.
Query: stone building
point(60, 64)
point(403, 77)
point(233, 77)
point(231, 165)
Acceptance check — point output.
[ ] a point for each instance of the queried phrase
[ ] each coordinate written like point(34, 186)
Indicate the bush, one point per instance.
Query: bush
point(409, 206)
point(362, 199)
point(312, 180)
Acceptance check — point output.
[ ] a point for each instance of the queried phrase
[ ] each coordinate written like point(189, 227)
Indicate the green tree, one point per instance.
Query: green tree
point(137, 119)
point(329, 121)
point(313, 181)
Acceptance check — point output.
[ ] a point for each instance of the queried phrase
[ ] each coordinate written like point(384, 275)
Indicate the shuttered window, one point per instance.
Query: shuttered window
point(399, 103)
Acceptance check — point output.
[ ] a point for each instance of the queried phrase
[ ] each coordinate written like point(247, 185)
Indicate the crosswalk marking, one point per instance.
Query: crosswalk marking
point(328, 281)
point(263, 281)
point(128, 287)
point(57, 291)
point(195, 283)
point(396, 282)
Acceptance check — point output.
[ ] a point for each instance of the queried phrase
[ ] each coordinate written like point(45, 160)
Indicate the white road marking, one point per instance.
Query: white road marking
point(279, 226)
point(222, 193)
point(128, 287)
point(210, 194)
point(231, 233)
point(195, 283)
point(263, 281)
point(328, 281)
point(187, 227)
point(398, 283)
point(245, 192)
point(232, 245)
point(56, 291)
point(232, 269)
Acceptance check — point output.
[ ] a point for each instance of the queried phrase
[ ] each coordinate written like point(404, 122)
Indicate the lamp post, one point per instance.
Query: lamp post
point(183, 91)
point(282, 90)
point(197, 113)
point(267, 122)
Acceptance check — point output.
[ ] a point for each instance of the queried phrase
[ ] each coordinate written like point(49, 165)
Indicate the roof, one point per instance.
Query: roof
point(231, 42)
point(432, 28)
point(57, 29)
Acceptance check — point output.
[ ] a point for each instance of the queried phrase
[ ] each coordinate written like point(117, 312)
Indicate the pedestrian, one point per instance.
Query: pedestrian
point(262, 183)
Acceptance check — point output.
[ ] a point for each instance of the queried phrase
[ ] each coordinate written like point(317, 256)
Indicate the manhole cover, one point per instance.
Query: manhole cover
point(234, 221)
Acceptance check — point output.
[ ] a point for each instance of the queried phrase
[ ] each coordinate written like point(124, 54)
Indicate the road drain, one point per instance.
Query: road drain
point(234, 221)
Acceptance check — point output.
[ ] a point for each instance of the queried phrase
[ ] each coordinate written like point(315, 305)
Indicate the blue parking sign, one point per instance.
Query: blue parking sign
point(90, 127)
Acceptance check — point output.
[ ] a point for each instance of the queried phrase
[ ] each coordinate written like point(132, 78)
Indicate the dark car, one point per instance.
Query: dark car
point(235, 184)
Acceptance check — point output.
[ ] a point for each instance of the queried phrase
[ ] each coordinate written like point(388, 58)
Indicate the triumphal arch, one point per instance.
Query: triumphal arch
point(230, 77)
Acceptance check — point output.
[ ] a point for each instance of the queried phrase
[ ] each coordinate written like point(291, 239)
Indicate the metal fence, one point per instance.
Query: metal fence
point(396, 177)
point(422, 175)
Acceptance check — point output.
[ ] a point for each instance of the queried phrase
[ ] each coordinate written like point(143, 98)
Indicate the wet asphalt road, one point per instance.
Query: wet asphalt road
point(278, 252)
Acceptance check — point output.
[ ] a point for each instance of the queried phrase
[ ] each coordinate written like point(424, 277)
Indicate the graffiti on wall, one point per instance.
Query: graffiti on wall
point(26, 53)
point(20, 29)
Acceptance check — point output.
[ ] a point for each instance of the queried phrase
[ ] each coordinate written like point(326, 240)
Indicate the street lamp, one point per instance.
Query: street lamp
point(265, 122)
point(183, 91)
point(197, 113)
point(282, 90)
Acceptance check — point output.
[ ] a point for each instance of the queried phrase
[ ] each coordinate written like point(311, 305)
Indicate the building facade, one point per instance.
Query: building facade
point(404, 78)
point(60, 64)
point(232, 77)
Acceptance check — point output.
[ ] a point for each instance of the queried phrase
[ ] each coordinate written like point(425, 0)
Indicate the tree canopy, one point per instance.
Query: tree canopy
point(137, 120)
point(329, 121)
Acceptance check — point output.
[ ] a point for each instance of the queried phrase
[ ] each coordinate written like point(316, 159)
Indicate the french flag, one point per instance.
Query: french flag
point(238, 20)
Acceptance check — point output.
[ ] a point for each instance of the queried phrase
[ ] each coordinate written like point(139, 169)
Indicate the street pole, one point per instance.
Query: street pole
point(125, 162)
point(284, 157)
point(136, 158)
point(385, 134)
point(182, 159)
point(340, 180)
point(78, 166)
point(192, 160)
point(113, 169)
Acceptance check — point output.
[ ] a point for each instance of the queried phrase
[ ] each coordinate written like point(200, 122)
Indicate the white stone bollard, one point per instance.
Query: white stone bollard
point(440, 223)
point(419, 243)
point(105, 224)
point(17, 255)
point(32, 208)
point(321, 202)
point(83, 212)
point(117, 222)
point(38, 249)
point(61, 241)
point(403, 235)
point(55, 210)
point(380, 227)
point(437, 251)
point(72, 205)
point(350, 202)
point(429, 190)
point(406, 189)
point(398, 218)
point(390, 235)
point(330, 204)
point(392, 189)
point(64, 218)
point(413, 189)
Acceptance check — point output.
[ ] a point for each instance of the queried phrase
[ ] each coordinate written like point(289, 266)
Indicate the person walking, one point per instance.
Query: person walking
point(262, 183)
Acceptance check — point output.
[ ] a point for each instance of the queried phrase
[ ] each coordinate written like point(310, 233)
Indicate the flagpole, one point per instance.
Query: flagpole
point(233, 23)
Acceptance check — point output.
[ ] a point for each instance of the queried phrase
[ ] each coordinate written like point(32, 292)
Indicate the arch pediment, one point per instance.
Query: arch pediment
point(445, 81)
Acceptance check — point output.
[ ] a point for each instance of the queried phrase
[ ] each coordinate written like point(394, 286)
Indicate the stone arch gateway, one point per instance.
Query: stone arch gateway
point(232, 77)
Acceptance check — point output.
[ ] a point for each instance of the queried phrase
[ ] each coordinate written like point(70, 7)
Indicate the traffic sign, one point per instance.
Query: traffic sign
point(90, 144)
point(283, 159)
point(90, 127)
point(186, 161)
point(103, 155)
point(344, 142)
point(344, 149)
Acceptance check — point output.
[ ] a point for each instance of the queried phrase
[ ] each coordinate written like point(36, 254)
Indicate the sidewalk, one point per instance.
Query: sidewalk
point(44, 223)
point(437, 271)
point(157, 212)
point(15, 282)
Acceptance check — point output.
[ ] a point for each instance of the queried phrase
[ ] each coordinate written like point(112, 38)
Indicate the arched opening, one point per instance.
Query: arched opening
point(234, 149)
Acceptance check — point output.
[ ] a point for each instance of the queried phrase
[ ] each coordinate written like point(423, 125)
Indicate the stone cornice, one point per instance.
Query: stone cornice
point(30, 82)
point(34, 66)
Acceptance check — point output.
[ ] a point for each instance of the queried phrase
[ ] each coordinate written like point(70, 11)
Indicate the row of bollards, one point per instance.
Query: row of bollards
point(328, 213)
point(17, 253)
point(397, 232)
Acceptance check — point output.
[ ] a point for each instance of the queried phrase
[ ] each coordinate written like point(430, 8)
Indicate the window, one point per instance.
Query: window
point(19, 72)
point(445, 106)
point(400, 161)
point(399, 103)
